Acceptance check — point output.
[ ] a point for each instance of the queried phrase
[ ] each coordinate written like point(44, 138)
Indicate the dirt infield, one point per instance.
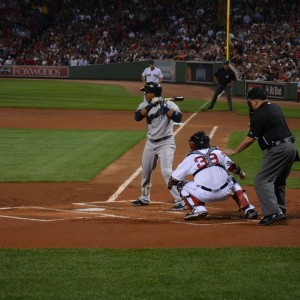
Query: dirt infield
point(98, 213)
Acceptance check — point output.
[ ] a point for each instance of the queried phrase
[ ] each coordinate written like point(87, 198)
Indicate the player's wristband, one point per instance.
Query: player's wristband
point(165, 108)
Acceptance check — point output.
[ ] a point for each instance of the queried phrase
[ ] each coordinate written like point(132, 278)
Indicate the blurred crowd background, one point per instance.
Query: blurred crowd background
point(264, 34)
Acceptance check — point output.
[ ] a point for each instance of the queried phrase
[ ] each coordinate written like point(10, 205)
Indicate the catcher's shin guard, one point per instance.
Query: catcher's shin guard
point(241, 199)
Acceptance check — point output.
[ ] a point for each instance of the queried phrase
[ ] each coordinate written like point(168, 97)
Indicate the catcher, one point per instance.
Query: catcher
point(212, 183)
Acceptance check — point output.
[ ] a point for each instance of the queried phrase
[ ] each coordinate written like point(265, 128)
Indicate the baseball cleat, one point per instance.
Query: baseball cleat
point(195, 215)
point(251, 214)
point(270, 219)
point(139, 203)
point(179, 206)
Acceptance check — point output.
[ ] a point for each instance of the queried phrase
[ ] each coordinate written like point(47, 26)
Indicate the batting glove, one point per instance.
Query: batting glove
point(156, 100)
point(164, 106)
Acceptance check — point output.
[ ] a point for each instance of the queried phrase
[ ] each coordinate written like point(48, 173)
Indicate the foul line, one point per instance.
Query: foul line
point(123, 186)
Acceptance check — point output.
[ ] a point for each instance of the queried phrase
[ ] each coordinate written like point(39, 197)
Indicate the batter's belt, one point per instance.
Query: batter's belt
point(161, 139)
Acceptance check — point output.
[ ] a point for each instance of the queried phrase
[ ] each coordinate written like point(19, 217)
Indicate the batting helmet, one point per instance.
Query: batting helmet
point(152, 87)
point(199, 140)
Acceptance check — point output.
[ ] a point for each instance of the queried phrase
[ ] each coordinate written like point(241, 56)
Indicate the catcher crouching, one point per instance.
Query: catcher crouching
point(209, 166)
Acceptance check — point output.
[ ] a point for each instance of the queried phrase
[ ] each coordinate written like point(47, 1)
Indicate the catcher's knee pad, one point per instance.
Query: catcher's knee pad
point(191, 201)
point(241, 199)
point(180, 186)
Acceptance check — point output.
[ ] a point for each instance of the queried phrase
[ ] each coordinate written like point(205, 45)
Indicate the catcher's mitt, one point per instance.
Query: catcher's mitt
point(172, 182)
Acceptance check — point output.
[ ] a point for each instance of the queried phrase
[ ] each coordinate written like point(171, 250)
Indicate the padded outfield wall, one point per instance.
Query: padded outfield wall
point(178, 72)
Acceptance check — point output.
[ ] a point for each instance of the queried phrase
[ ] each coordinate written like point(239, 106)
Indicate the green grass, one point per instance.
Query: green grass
point(20, 93)
point(229, 273)
point(61, 155)
point(65, 94)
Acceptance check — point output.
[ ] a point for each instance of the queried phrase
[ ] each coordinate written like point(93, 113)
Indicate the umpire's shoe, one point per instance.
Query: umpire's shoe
point(270, 219)
point(139, 203)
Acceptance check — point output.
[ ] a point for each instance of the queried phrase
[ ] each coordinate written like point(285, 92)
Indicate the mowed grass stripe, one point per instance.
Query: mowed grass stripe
point(61, 155)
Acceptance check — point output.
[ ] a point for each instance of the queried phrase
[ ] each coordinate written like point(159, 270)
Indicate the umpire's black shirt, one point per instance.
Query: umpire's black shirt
point(268, 125)
point(225, 76)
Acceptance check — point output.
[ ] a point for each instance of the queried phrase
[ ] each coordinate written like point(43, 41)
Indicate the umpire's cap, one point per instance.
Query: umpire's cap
point(256, 93)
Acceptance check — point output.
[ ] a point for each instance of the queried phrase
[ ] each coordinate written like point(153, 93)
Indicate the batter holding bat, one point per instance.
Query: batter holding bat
point(160, 115)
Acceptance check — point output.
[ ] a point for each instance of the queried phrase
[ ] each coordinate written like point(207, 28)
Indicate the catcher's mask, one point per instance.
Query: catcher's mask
point(199, 140)
point(152, 87)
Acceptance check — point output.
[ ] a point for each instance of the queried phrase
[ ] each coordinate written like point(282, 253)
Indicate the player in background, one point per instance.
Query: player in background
point(159, 115)
point(152, 74)
point(209, 166)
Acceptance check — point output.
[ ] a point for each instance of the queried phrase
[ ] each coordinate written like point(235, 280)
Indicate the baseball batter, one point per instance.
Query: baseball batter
point(159, 115)
point(208, 165)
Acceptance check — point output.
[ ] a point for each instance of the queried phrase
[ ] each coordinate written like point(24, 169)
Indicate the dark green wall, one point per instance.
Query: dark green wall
point(117, 71)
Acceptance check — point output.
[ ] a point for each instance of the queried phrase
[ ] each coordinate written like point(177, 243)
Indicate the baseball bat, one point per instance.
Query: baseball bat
point(175, 98)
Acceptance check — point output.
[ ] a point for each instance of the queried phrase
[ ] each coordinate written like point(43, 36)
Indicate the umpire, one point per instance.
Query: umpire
point(224, 78)
point(269, 127)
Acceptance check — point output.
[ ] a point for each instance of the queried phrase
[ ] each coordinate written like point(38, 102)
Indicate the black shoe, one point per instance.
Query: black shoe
point(270, 219)
point(179, 206)
point(252, 214)
point(210, 107)
point(195, 215)
point(139, 203)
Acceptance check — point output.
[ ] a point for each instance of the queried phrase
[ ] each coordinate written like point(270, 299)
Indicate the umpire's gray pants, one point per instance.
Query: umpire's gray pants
point(270, 181)
point(220, 88)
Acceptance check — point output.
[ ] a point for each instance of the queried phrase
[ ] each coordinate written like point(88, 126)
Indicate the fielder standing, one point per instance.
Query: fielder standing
point(152, 74)
point(159, 115)
point(269, 127)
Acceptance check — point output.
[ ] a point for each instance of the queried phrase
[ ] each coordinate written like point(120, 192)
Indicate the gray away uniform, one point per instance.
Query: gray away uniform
point(160, 145)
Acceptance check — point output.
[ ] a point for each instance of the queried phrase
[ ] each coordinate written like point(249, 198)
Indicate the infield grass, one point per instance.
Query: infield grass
point(228, 273)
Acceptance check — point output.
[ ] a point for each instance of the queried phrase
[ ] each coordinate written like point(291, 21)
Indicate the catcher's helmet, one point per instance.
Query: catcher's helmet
point(152, 87)
point(199, 140)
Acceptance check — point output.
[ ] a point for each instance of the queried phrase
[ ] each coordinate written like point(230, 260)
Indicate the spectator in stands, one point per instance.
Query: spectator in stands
point(28, 27)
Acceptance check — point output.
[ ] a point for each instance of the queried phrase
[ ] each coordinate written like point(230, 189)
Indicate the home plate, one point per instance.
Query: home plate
point(91, 209)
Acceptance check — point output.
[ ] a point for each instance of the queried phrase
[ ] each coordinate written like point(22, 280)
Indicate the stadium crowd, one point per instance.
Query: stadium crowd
point(264, 34)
